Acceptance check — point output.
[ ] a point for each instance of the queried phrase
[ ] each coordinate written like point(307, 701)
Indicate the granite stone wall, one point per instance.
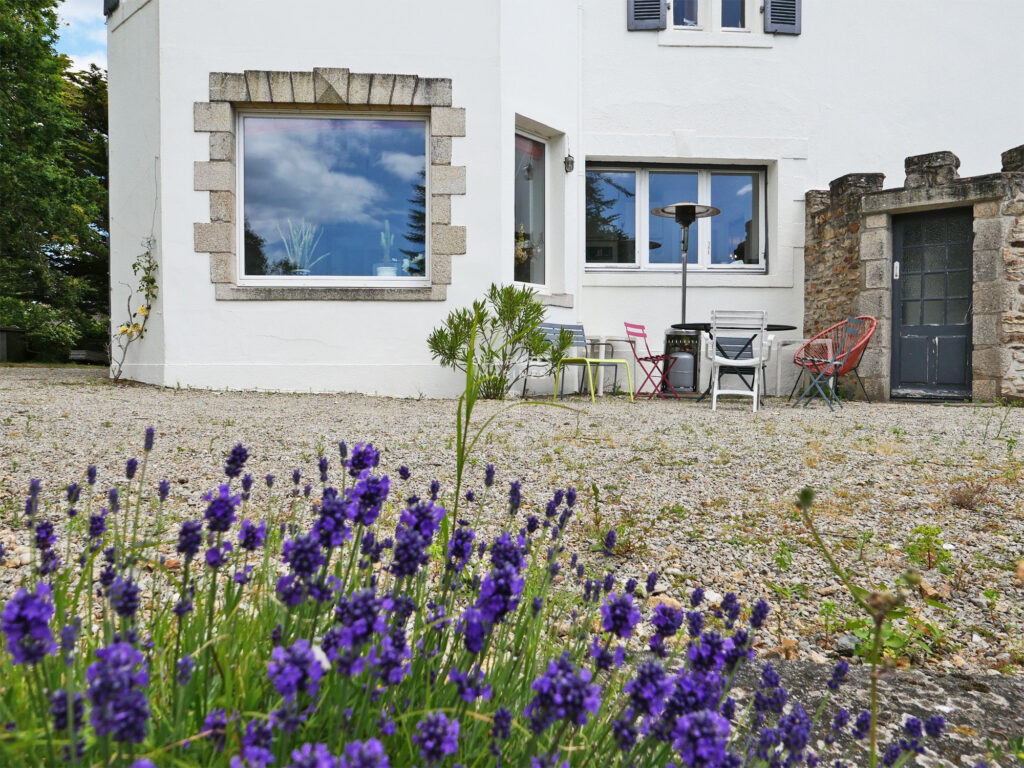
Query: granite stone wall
point(848, 262)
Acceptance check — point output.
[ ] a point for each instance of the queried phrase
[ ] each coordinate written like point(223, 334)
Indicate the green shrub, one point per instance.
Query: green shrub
point(498, 335)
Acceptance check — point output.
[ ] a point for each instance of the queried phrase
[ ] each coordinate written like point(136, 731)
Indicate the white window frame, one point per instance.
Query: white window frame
point(323, 281)
point(709, 31)
point(545, 286)
point(703, 244)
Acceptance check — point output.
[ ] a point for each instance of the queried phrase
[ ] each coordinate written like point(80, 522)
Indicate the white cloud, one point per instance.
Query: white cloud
point(290, 180)
point(83, 60)
point(81, 11)
point(403, 165)
point(746, 189)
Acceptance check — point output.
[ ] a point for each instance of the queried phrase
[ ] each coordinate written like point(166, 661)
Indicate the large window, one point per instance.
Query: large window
point(530, 219)
point(622, 231)
point(332, 199)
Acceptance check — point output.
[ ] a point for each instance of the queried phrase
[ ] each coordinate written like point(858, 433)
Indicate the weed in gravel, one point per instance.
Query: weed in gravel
point(926, 548)
point(968, 495)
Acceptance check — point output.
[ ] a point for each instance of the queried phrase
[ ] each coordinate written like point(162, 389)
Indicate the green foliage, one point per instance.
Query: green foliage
point(53, 220)
point(924, 548)
point(495, 337)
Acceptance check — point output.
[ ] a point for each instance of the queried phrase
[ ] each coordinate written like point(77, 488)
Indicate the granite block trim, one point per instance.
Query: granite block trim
point(326, 86)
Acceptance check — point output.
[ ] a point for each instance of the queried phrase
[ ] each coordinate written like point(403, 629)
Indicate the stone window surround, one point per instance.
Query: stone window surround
point(983, 195)
point(331, 89)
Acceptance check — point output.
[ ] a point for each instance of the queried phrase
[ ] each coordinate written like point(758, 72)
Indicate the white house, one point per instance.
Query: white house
point(324, 181)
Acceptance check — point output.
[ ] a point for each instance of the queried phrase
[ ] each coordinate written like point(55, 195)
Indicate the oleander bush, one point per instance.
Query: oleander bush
point(334, 628)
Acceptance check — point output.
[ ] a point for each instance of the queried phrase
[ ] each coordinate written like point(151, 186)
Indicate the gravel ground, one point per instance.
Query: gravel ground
point(705, 498)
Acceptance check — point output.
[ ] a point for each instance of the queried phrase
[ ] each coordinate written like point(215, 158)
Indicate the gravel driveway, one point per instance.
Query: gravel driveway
point(706, 498)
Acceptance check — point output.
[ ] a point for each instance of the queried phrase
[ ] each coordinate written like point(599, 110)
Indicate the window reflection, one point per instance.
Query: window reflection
point(334, 197)
point(684, 13)
point(733, 14)
point(734, 231)
point(666, 246)
point(611, 217)
point(529, 210)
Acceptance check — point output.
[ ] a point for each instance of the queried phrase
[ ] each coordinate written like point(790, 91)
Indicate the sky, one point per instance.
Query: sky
point(83, 33)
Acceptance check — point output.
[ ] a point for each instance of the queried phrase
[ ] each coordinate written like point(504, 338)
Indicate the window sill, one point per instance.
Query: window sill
point(231, 292)
point(694, 279)
point(557, 299)
point(725, 38)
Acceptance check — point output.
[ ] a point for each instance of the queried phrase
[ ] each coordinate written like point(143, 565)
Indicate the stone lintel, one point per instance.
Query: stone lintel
point(967, 191)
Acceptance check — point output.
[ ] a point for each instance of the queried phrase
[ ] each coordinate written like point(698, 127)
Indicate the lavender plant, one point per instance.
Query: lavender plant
point(338, 629)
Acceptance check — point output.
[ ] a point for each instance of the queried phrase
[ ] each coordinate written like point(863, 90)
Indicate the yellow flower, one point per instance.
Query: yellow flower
point(143, 311)
point(136, 327)
point(123, 329)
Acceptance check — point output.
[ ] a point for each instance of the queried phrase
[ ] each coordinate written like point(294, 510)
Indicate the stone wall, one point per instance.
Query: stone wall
point(848, 253)
point(1011, 331)
point(832, 250)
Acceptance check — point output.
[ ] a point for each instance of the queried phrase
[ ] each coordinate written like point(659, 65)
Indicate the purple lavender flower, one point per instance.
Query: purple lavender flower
point(499, 593)
point(619, 615)
point(97, 525)
point(404, 473)
point(695, 623)
point(69, 637)
point(113, 500)
point(143, 762)
point(163, 489)
point(90, 474)
point(502, 726)
point(331, 526)
point(460, 548)
point(269, 480)
point(366, 497)
point(934, 726)
point(190, 538)
point(649, 689)
point(45, 536)
point(307, 489)
point(474, 628)
point(759, 614)
point(504, 551)
point(562, 693)
point(216, 727)
point(838, 675)
point(250, 536)
point(489, 476)
point(130, 468)
point(322, 465)
point(435, 489)
point(364, 754)
point(257, 741)
point(515, 498)
point(124, 597)
point(795, 732)
point(359, 615)
point(236, 461)
point(364, 456)
point(26, 623)
point(115, 691)
point(861, 725)
point(701, 738)
point(609, 542)
point(666, 620)
point(290, 590)
point(470, 685)
point(304, 555)
point(295, 669)
point(217, 556)
point(184, 668)
point(437, 737)
point(59, 711)
point(570, 497)
point(220, 510)
point(147, 445)
point(73, 492)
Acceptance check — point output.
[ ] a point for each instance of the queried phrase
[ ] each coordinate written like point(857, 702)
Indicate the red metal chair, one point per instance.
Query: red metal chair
point(656, 367)
point(834, 352)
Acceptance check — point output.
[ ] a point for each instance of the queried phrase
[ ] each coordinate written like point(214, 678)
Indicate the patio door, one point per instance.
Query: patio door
point(931, 304)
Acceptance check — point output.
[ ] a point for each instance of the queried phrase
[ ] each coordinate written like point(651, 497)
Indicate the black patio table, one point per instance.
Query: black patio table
point(706, 327)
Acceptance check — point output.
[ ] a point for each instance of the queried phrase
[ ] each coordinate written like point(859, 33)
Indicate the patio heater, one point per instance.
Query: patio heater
point(685, 214)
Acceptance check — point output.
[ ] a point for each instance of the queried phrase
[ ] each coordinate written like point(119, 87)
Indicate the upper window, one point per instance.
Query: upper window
point(709, 15)
point(733, 16)
point(530, 210)
point(332, 199)
point(685, 13)
point(622, 231)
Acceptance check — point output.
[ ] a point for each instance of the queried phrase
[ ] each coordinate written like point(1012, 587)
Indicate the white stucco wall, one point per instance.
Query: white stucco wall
point(863, 86)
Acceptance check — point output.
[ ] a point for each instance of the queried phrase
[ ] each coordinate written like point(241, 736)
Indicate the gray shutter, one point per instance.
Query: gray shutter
point(645, 14)
point(782, 17)
point(109, 6)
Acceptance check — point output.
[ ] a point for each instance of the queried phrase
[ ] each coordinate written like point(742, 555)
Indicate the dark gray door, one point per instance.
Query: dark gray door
point(931, 295)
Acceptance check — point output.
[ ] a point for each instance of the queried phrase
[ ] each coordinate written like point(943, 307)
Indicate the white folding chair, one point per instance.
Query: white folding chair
point(737, 345)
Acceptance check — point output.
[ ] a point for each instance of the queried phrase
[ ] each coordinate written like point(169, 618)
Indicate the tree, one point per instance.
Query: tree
point(53, 256)
point(416, 227)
